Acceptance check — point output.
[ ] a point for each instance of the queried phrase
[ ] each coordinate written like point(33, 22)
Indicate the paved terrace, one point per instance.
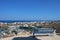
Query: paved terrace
point(29, 37)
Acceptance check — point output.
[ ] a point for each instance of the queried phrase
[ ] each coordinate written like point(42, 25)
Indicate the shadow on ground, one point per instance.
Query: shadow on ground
point(25, 38)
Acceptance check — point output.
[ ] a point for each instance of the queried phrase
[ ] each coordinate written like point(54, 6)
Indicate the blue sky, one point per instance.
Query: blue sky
point(29, 9)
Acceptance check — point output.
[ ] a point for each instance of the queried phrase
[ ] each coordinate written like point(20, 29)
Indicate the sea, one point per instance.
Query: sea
point(10, 21)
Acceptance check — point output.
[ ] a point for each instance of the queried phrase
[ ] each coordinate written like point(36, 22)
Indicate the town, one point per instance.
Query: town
point(14, 28)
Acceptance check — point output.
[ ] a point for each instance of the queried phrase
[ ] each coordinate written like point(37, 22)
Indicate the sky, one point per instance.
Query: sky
point(29, 9)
